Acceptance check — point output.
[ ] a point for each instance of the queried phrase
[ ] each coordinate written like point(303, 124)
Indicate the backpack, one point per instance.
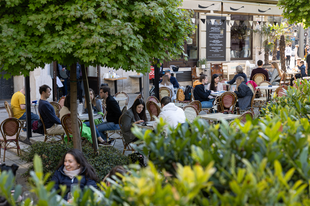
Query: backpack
point(180, 95)
point(187, 93)
point(37, 127)
point(137, 157)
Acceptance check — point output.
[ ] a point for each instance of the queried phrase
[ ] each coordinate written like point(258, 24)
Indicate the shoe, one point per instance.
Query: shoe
point(100, 140)
point(103, 144)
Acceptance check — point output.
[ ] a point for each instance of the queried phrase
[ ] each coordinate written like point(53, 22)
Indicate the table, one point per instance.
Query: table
point(120, 98)
point(85, 116)
point(140, 80)
point(219, 116)
point(273, 87)
point(115, 81)
point(149, 125)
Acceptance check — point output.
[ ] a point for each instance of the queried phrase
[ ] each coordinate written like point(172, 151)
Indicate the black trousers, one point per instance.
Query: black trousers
point(288, 60)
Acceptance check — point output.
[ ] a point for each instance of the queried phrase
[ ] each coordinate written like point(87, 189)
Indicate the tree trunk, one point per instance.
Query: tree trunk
point(266, 52)
point(282, 53)
point(275, 46)
point(73, 109)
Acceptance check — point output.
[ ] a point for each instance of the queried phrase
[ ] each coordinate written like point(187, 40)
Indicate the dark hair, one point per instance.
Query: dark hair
point(212, 85)
point(93, 101)
point(115, 171)
point(165, 100)
point(167, 72)
point(43, 88)
point(106, 89)
point(202, 77)
point(302, 62)
point(142, 115)
point(81, 160)
point(259, 63)
point(67, 102)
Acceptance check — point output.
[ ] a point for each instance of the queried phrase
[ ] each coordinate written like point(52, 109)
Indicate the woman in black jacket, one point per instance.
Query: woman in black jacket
point(244, 94)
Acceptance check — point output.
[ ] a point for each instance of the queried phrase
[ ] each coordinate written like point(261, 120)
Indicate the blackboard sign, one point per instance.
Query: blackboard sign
point(216, 38)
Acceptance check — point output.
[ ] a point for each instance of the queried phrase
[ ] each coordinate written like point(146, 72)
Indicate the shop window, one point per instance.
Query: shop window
point(241, 37)
point(192, 41)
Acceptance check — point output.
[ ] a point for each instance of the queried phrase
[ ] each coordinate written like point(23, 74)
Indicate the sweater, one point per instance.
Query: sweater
point(259, 70)
point(127, 120)
point(113, 110)
point(200, 93)
point(172, 115)
point(48, 114)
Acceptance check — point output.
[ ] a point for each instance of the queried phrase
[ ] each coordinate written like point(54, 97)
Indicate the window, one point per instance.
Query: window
point(241, 37)
point(192, 41)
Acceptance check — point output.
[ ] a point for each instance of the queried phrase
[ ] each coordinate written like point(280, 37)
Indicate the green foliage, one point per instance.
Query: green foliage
point(51, 154)
point(119, 34)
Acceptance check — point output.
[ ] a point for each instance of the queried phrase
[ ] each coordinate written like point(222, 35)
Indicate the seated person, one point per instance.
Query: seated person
point(239, 72)
point(276, 74)
point(172, 79)
point(96, 103)
point(18, 104)
point(244, 94)
point(170, 113)
point(134, 115)
point(166, 83)
point(215, 85)
point(259, 69)
point(47, 112)
point(73, 164)
point(201, 94)
point(302, 70)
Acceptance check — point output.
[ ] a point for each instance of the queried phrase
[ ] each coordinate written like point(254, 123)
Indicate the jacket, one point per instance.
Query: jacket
point(172, 115)
point(259, 70)
point(238, 75)
point(200, 93)
point(244, 95)
point(60, 178)
point(113, 110)
point(127, 120)
point(97, 108)
point(174, 81)
point(302, 69)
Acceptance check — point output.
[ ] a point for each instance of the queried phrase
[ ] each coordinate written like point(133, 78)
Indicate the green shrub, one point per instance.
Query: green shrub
point(51, 153)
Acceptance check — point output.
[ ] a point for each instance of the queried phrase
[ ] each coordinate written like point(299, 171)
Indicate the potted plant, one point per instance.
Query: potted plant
point(202, 63)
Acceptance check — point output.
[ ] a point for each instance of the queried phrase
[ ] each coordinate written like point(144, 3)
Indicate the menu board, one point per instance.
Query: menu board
point(216, 38)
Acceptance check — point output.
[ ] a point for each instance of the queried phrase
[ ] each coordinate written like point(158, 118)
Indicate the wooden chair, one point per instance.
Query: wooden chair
point(110, 133)
point(122, 103)
point(257, 102)
point(164, 92)
point(281, 91)
point(194, 74)
point(66, 124)
point(227, 102)
point(190, 112)
point(251, 87)
point(48, 136)
point(127, 146)
point(10, 129)
point(10, 113)
point(217, 69)
point(153, 99)
point(264, 92)
point(258, 78)
point(62, 101)
point(245, 115)
point(197, 105)
point(153, 109)
point(57, 108)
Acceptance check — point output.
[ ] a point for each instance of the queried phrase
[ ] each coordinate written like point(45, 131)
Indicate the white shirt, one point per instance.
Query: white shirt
point(288, 51)
point(172, 115)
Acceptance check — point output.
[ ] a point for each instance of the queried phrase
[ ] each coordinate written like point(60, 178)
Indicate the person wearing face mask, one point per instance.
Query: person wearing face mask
point(201, 94)
point(74, 164)
point(134, 115)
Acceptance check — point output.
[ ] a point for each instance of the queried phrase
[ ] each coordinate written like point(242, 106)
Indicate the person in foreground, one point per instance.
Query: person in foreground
point(74, 164)
point(170, 113)
point(244, 94)
point(134, 115)
point(201, 94)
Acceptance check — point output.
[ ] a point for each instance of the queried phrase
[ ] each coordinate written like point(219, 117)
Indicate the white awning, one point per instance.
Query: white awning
point(252, 8)
point(201, 5)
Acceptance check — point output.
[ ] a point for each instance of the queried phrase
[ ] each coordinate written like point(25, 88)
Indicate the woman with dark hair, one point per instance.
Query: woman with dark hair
point(134, 115)
point(73, 164)
point(215, 85)
point(96, 103)
point(115, 174)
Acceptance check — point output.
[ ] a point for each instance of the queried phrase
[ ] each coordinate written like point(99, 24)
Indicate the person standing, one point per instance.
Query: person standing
point(79, 82)
point(288, 53)
point(63, 74)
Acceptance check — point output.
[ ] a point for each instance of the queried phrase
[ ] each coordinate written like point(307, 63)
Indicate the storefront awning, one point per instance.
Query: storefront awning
point(252, 8)
point(201, 5)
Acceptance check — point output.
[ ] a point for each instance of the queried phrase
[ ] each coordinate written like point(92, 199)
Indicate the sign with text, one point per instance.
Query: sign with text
point(216, 38)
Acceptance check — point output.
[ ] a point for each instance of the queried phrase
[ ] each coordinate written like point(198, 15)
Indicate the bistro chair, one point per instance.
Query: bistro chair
point(127, 146)
point(110, 133)
point(153, 109)
point(153, 99)
point(66, 124)
point(227, 102)
point(124, 95)
point(190, 112)
point(281, 91)
point(10, 129)
point(196, 104)
point(62, 101)
point(10, 113)
point(264, 92)
point(245, 115)
point(258, 78)
point(257, 101)
point(48, 136)
point(164, 92)
point(57, 108)
point(251, 87)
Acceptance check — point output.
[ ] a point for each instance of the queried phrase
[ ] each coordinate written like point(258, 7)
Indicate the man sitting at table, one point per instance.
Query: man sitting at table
point(244, 94)
point(172, 79)
point(18, 104)
point(170, 113)
point(201, 94)
point(259, 69)
point(113, 113)
point(47, 112)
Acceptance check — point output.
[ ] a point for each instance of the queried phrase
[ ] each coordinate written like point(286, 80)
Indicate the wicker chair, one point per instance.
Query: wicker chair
point(227, 102)
point(153, 99)
point(110, 133)
point(245, 115)
point(281, 91)
point(190, 112)
point(251, 87)
point(264, 92)
point(10, 129)
point(257, 102)
point(66, 124)
point(258, 78)
point(122, 103)
point(197, 105)
point(127, 146)
point(153, 109)
point(62, 101)
point(10, 113)
point(57, 108)
point(47, 136)
point(164, 92)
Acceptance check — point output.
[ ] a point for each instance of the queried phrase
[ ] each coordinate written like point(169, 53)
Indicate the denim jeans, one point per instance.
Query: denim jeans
point(105, 127)
point(207, 104)
point(33, 117)
point(97, 132)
